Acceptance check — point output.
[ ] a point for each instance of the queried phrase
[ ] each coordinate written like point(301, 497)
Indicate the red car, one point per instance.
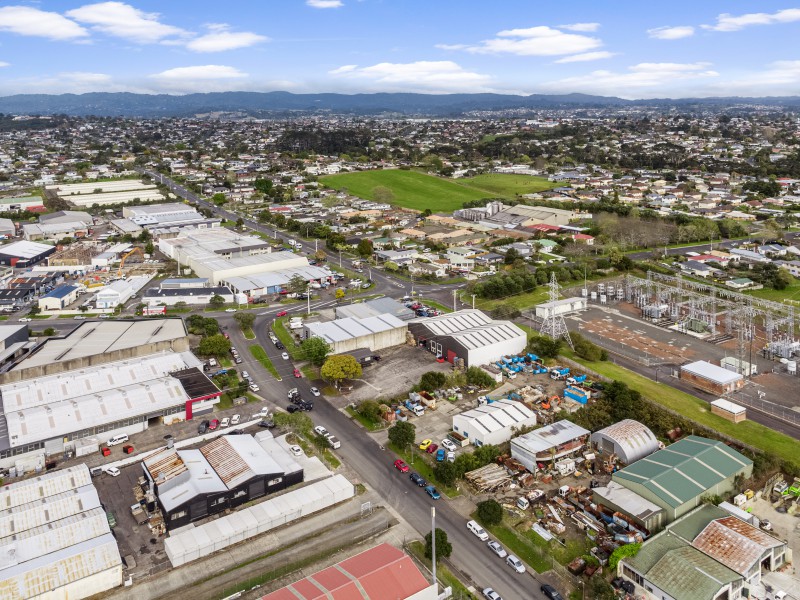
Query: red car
point(432, 448)
point(297, 373)
point(283, 313)
point(214, 424)
point(401, 466)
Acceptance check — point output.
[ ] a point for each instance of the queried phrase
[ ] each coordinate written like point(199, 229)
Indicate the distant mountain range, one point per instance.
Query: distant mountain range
point(284, 103)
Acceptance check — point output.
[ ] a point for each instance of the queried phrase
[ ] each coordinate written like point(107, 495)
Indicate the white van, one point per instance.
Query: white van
point(117, 439)
point(479, 531)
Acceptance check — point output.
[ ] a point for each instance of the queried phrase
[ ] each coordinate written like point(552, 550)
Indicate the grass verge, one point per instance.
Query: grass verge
point(367, 424)
point(527, 549)
point(249, 334)
point(416, 462)
point(284, 336)
point(261, 356)
point(43, 316)
point(749, 432)
point(443, 574)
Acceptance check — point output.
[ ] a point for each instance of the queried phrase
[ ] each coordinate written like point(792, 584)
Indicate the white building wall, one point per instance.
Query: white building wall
point(489, 354)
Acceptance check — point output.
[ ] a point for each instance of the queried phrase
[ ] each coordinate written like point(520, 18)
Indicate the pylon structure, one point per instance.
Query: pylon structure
point(554, 325)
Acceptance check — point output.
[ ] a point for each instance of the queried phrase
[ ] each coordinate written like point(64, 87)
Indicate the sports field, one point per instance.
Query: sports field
point(419, 191)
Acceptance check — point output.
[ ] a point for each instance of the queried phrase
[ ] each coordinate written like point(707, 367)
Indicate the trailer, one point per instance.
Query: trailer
point(577, 395)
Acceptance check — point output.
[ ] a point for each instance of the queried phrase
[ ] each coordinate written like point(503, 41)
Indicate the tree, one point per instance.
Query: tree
point(315, 350)
point(490, 512)
point(446, 473)
point(83, 308)
point(365, 248)
point(34, 310)
point(391, 266)
point(432, 380)
point(443, 547)
point(382, 194)
point(402, 434)
point(544, 347)
point(219, 199)
point(339, 293)
point(479, 377)
point(214, 345)
point(298, 422)
point(239, 223)
point(511, 255)
point(49, 331)
point(297, 284)
point(217, 301)
point(149, 248)
point(340, 367)
point(245, 319)
point(370, 410)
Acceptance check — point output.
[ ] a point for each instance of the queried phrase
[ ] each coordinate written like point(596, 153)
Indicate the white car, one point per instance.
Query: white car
point(448, 445)
point(490, 594)
point(320, 430)
point(497, 549)
point(245, 375)
point(225, 422)
point(235, 419)
point(314, 391)
point(515, 563)
point(113, 471)
point(451, 457)
point(285, 356)
point(230, 310)
point(25, 320)
point(296, 450)
point(253, 387)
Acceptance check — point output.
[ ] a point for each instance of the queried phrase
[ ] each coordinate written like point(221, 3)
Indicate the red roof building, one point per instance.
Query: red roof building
point(380, 573)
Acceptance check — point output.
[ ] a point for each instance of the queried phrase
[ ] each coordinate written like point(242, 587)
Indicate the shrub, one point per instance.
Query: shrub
point(490, 512)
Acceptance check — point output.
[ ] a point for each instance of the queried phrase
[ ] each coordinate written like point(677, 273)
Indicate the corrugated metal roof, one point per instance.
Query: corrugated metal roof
point(549, 436)
point(498, 415)
point(472, 328)
point(636, 440)
point(736, 544)
point(687, 574)
point(164, 465)
point(714, 373)
point(684, 470)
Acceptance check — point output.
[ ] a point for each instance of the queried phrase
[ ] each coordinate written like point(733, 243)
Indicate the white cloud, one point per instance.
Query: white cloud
point(425, 76)
point(4, 64)
point(533, 41)
point(586, 56)
point(200, 72)
point(201, 78)
point(220, 38)
point(728, 22)
point(671, 33)
point(324, 3)
point(581, 27)
point(25, 20)
point(125, 21)
point(644, 78)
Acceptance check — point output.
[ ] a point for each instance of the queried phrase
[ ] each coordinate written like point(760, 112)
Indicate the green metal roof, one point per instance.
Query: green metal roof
point(684, 470)
point(688, 573)
point(689, 526)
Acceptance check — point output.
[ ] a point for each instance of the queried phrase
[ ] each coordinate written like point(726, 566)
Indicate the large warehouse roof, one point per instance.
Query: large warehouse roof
point(551, 436)
point(372, 308)
point(380, 573)
point(25, 249)
point(498, 415)
point(281, 277)
point(472, 328)
point(345, 329)
point(53, 532)
point(684, 470)
point(736, 544)
point(92, 338)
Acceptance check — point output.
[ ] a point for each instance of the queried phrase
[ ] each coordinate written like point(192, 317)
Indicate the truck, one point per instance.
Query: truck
point(428, 400)
point(576, 379)
point(559, 372)
point(414, 408)
point(220, 372)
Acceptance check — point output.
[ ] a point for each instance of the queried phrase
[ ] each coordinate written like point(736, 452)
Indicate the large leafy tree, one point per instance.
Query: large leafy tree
point(214, 345)
point(402, 434)
point(443, 547)
point(340, 367)
point(315, 350)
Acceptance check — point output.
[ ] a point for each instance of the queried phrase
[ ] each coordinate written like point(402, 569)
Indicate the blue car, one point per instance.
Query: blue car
point(440, 454)
point(431, 491)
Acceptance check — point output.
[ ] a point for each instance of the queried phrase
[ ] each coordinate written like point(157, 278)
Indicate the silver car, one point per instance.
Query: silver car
point(497, 549)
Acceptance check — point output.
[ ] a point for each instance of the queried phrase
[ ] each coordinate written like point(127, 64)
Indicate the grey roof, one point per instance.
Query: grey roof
point(25, 249)
point(712, 372)
point(631, 502)
point(550, 436)
point(340, 330)
point(636, 440)
point(473, 328)
point(373, 308)
point(498, 415)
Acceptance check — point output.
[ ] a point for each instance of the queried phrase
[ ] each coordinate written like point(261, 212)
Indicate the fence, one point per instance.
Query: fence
point(749, 397)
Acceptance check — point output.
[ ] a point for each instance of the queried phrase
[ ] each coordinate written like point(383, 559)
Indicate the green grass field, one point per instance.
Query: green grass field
point(416, 190)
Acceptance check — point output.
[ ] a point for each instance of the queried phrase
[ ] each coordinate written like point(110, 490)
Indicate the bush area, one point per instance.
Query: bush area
point(586, 349)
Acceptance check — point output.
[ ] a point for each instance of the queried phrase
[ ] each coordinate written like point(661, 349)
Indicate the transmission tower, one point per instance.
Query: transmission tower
point(554, 325)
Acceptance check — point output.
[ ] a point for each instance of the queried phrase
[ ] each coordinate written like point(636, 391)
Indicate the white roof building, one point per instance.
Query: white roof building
point(493, 423)
point(345, 335)
point(549, 443)
point(55, 540)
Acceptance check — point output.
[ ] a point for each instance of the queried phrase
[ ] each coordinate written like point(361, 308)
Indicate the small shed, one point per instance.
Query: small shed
point(729, 410)
point(711, 378)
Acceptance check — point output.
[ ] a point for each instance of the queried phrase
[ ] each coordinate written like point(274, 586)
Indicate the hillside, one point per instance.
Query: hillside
point(416, 190)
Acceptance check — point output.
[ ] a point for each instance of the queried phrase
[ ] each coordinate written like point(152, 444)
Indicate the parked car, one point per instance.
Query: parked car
point(320, 430)
point(77, 318)
point(292, 408)
point(113, 471)
point(297, 373)
point(432, 448)
point(451, 457)
point(279, 346)
point(296, 450)
point(245, 375)
point(333, 441)
point(230, 310)
point(238, 360)
point(266, 424)
point(490, 594)
point(225, 422)
point(418, 479)
point(315, 391)
point(432, 492)
point(551, 593)
point(306, 405)
point(497, 549)
point(25, 320)
point(285, 356)
point(235, 419)
point(253, 387)
point(440, 455)
point(401, 466)
point(214, 425)
point(448, 445)
point(425, 444)
point(515, 563)
point(202, 427)
point(282, 313)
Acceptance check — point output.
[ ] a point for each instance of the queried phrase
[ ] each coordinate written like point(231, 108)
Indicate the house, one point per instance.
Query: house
point(493, 423)
point(461, 258)
point(696, 268)
point(427, 269)
point(740, 283)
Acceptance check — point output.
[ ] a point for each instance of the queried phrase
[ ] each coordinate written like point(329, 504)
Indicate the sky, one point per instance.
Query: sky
point(606, 47)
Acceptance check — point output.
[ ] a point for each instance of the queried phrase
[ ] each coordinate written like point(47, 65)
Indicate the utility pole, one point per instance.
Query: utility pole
point(340, 259)
point(454, 300)
point(308, 298)
point(433, 546)
point(473, 301)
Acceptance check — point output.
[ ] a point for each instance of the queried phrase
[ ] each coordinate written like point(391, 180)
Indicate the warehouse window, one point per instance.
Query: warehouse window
point(177, 515)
